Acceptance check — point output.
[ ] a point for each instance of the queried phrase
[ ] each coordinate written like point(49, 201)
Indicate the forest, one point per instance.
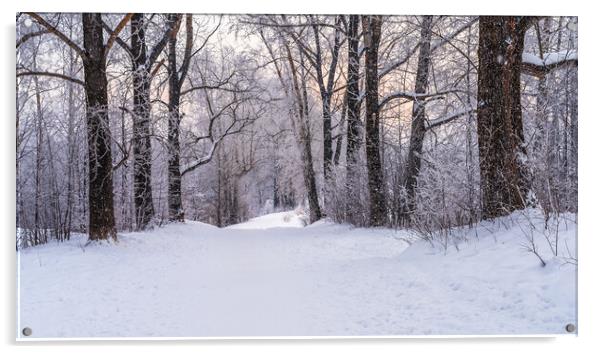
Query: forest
point(129, 122)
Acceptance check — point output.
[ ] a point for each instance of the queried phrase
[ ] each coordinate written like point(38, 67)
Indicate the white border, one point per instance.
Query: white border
point(590, 130)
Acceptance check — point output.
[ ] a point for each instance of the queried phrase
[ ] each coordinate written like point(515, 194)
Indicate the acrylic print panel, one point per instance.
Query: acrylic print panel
point(299, 175)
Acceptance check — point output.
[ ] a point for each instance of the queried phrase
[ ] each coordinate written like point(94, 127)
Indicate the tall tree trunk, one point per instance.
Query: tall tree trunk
point(327, 139)
point(326, 91)
point(143, 192)
point(175, 210)
point(372, 31)
point(219, 207)
point(54, 194)
point(574, 168)
point(70, 147)
point(418, 119)
point(100, 164)
point(573, 102)
point(301, 124)
point(353, 116)
point(504, 180)
point(309, 176)
point(542, 186)
point(315, 212)
point(37, 237)
point(470, 166)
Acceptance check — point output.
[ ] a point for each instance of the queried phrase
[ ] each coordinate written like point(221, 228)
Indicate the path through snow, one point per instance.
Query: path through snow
point(273, 277)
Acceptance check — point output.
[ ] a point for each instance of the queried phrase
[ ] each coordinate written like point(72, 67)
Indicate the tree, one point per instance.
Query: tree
point(101, 225)
point(142, 62)
point(326, 89)
point(296, 93)
point(175, 81)
point(304, 134)
point(418, 117)
point(354, 122)
point(372, 32)
point(504, 176)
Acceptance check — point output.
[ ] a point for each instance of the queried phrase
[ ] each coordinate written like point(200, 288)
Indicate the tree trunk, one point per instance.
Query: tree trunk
point(418, 119)
point(37, 237)
point(70, 147)
point(301, 124)
point(315, 213)
point(500, 128)
point(143, 193)
point(327, 136)
point(372, 30)
point(353, 117)
point(176, 212)
point(100, 164)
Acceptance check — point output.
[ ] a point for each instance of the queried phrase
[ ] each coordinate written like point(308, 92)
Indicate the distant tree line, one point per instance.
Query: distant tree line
point(129, 121)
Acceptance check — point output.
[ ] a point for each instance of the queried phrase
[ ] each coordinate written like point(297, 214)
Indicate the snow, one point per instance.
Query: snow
point(282, 219)
point(549, 59)
point(272, 277)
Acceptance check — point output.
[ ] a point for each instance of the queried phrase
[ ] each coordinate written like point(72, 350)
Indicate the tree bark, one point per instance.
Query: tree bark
point(143, 193)
point(37, 236)
point(353, 115)
point(71, 147)
point(176, 212)
point(418, 119)
point(100, 164)
point(504, 181)
point(304, 136)
point(372, 31)
point(326, 91)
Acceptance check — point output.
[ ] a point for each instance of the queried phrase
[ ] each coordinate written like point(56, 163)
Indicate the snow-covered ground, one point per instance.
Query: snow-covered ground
point(273, 277)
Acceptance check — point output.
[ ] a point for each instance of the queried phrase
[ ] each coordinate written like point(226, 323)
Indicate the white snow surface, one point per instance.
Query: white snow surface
point(550, 58)
point(272, 277)
point(274, 220)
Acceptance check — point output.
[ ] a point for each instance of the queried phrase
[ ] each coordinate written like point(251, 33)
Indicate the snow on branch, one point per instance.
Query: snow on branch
point(435, 45)
point(413, 96)
point(235, 127)
point(446, 119)
point(540, 66)
point(202, 161)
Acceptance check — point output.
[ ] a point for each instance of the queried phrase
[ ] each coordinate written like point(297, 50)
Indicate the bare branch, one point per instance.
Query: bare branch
point(52, 29)
point(219, 86)
point(119, 41)
point(30, 35)
point(49, 74)
point(430, 124)
point(412, 96)
point(434, 47)
point(157, 67)
point(207, 38)
point(158, 48)
point(113, 36)
point(187, 51)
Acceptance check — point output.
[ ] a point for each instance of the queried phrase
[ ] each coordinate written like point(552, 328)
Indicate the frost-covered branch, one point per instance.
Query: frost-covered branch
point(202, 161)
point(411, 96)
point(434, 47)
point(537, 66)
point(115, 33)
point(30, 35)
point(52, 29)
point(433, 123)
point(50, 74)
